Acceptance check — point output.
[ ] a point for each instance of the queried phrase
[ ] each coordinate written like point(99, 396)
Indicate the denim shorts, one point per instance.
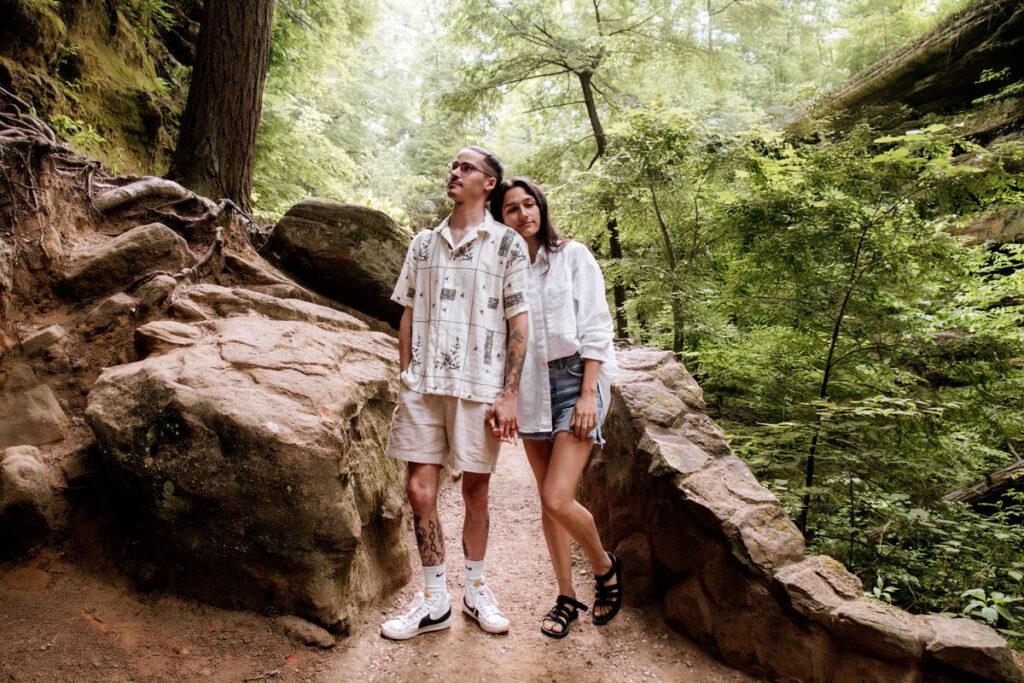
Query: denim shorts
point(566, 378)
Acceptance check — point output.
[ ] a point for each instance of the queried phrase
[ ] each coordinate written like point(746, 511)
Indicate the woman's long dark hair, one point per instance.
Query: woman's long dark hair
point(547, 233)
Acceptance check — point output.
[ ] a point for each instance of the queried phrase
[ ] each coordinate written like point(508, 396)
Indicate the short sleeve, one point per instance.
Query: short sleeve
point(516, 280)
point(405, 288)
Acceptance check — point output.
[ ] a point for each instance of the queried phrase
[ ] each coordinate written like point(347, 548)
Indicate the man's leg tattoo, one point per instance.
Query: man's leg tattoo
point(430, 541)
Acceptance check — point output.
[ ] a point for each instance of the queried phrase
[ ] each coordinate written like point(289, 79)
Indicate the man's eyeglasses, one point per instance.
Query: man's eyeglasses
point(465, 168)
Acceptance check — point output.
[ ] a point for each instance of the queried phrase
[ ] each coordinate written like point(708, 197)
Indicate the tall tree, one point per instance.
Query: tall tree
point(575, 51)
point(216, 144)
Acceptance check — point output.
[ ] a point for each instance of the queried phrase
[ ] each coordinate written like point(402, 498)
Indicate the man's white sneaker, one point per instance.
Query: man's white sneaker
point(485, 610)
point(426, 613)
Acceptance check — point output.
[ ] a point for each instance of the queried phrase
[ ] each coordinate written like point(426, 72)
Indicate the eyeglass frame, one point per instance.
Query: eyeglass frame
point(462, 166)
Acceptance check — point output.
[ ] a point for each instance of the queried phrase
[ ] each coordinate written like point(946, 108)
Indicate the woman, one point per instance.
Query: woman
point(563, 392)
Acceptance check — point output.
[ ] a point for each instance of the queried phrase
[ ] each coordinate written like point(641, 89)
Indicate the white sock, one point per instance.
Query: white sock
point(474, 576)
point(436, 579)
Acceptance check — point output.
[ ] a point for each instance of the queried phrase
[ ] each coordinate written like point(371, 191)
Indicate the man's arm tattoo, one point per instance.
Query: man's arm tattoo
point(514, 358)
point(429, 540)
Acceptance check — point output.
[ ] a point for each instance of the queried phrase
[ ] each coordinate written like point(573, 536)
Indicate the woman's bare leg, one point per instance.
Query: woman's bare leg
point(569, 455)
point(539, 455)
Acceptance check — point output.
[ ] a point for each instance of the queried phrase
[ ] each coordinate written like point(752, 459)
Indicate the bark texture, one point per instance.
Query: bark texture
point(215, 149)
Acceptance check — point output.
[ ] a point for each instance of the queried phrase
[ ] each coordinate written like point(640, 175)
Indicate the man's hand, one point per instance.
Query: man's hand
point(503, 419)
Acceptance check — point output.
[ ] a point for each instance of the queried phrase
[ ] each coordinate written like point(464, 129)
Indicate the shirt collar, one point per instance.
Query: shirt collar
point(488, 226)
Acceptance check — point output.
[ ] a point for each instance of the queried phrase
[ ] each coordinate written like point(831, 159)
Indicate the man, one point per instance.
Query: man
point(461, 341)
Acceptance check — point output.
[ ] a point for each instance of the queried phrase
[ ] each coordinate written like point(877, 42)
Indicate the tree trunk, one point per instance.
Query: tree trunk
point(618, 291)
point(614, 246)
point(216, 144)
point(805, 504)
point(678, 339)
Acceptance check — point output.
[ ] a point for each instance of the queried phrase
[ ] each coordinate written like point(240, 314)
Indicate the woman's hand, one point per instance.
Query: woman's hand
point(584, 415)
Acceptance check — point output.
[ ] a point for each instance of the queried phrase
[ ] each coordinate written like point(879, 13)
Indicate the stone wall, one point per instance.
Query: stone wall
point(699, 534)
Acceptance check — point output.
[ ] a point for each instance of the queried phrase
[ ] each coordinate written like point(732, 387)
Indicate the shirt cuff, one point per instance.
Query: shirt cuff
point(514, 304)
point(598, 350)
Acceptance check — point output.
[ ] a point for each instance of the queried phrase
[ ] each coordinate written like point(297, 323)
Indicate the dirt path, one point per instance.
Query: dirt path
point(62, 622)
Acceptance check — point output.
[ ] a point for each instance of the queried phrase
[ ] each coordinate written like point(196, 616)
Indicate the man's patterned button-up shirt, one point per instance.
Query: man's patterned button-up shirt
point(461, 296)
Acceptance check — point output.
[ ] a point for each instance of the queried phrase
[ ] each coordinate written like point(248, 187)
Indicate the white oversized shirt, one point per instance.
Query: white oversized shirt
point(568, 314)
point(461, 295)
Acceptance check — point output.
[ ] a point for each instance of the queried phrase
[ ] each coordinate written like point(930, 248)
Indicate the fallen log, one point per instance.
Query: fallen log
point(992, 487)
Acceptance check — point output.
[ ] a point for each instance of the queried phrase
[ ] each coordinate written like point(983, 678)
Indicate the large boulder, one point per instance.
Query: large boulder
point(944, 71)
point(701, 531)
point(352, 254)
point(250, 449)
point(29, 411)
point(118, 262)
point(29, 502)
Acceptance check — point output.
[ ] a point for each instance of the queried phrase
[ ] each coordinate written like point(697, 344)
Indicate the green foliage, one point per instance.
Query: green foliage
point(994, 608)
point(854, 328)
point(45, 14)
point(147, 16)
point(336, 105)
point(872, 29)
point(80, 135)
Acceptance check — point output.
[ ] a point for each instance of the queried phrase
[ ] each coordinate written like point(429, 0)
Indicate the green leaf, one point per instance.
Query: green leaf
point(1006, 614)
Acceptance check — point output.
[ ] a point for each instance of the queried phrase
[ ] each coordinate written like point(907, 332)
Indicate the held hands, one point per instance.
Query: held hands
point(584, 416)
point(503, 420)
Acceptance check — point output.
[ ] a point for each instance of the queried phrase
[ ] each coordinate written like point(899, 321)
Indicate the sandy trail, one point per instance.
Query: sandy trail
point(636, 646)
point(64, 620)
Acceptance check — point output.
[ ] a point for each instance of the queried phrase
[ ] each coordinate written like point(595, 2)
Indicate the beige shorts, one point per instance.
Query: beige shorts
point(442, 430)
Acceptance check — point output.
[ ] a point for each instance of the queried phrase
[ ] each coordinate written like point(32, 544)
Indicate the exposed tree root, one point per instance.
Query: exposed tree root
point(192, 272)
point(142, 189)
point(24, 134)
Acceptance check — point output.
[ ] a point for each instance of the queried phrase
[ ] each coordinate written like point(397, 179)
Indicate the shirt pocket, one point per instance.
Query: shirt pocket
point(559, 312)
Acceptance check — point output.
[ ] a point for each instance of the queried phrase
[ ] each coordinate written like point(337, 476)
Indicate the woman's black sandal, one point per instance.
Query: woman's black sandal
point(561, 615)
point(608, 596)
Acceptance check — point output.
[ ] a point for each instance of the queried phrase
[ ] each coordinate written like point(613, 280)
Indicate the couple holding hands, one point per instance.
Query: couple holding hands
point(506, 334)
